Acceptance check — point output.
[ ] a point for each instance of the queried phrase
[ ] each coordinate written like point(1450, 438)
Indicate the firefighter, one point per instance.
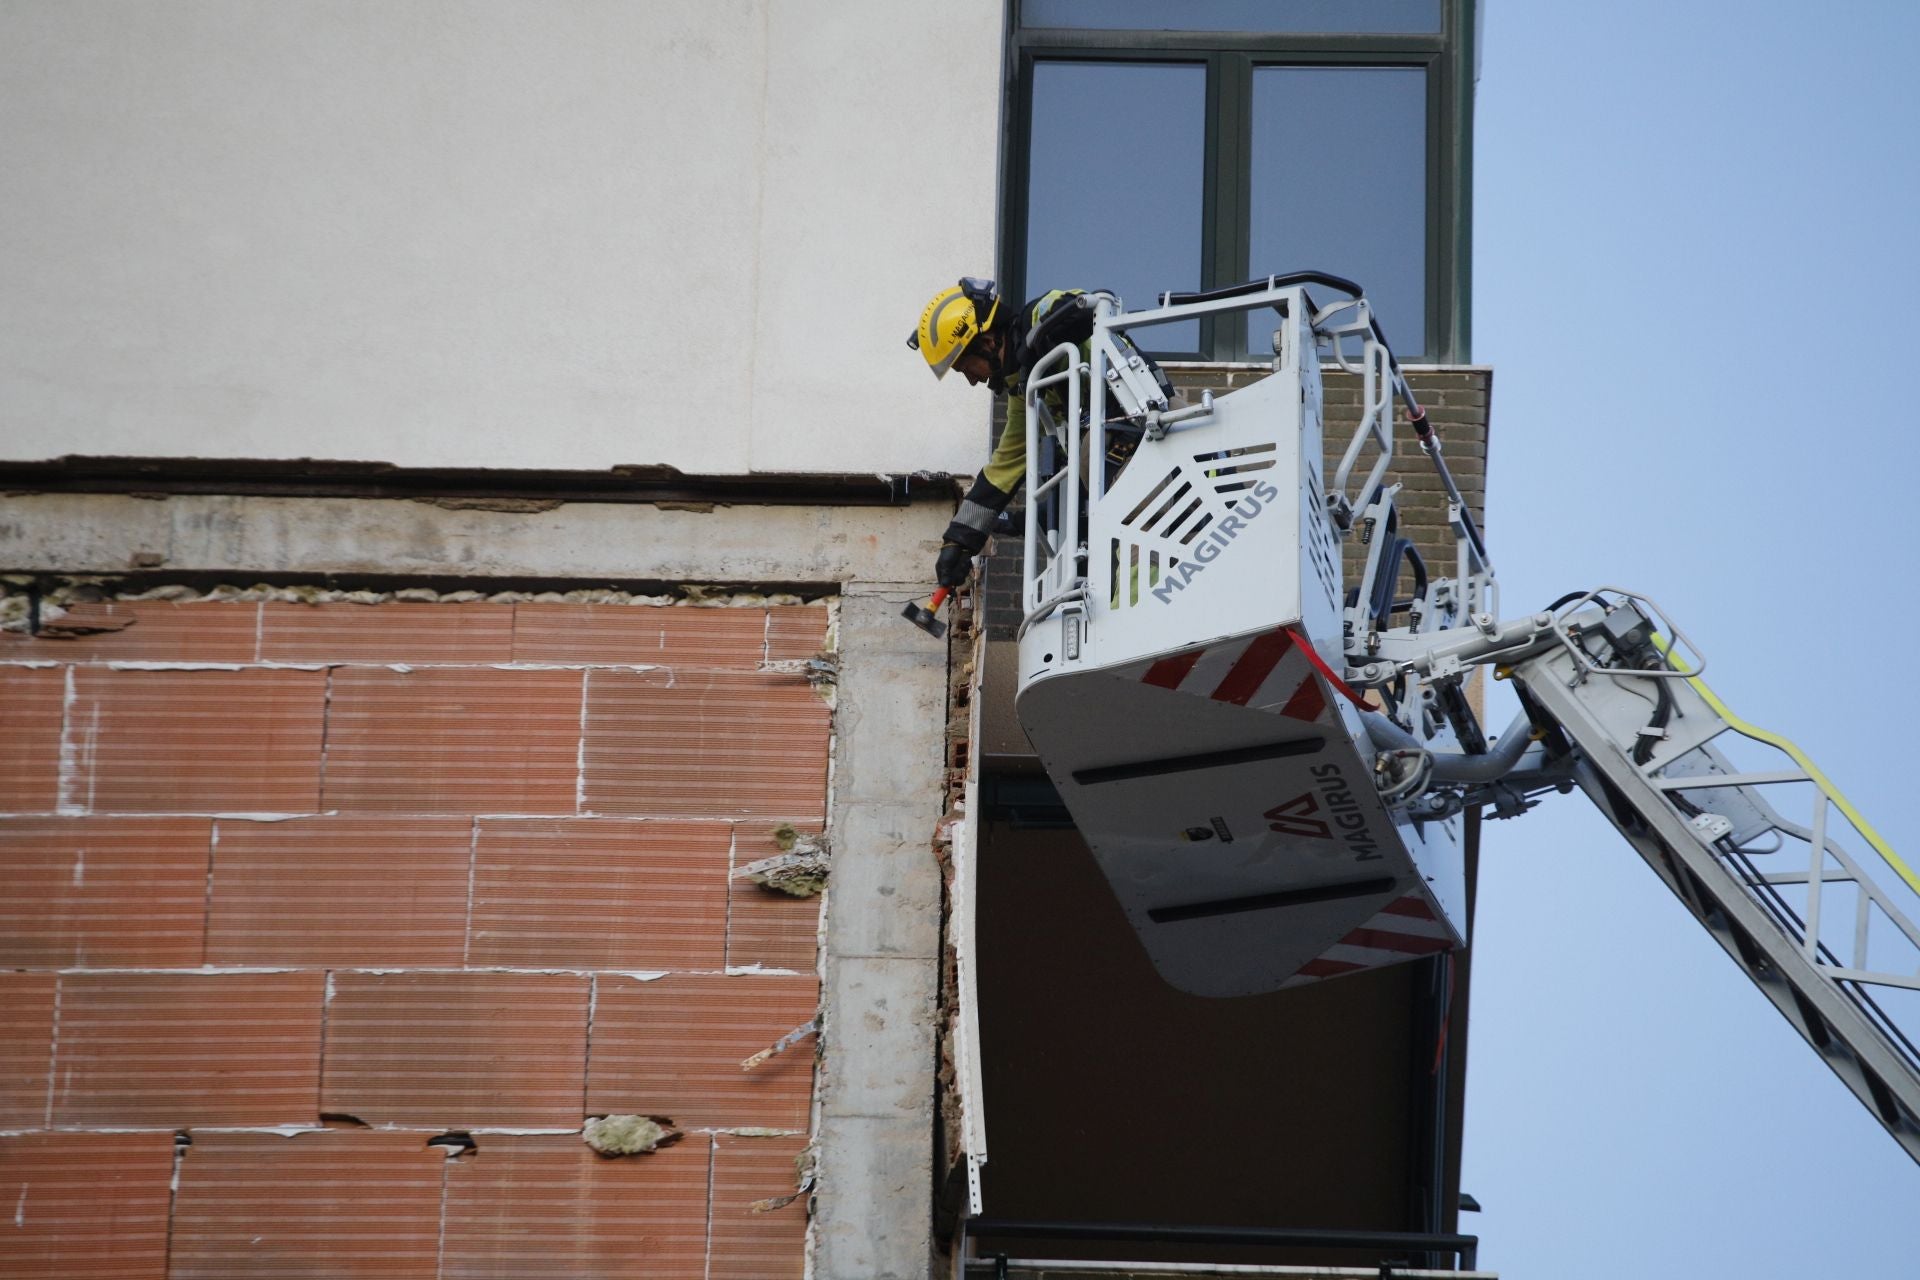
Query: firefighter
point(969, 328)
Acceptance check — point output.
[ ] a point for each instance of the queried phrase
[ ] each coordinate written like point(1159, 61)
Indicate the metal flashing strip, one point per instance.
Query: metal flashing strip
point(1270, 901)
point(1205, 760)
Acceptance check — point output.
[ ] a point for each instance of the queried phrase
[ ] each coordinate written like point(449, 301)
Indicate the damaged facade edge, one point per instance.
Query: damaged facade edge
point(873, 1139)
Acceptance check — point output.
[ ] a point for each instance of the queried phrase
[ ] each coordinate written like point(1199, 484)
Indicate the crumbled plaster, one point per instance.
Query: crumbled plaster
point(784, 1043)
point(804, 1169)
point(629, 1135)
point(799, 869)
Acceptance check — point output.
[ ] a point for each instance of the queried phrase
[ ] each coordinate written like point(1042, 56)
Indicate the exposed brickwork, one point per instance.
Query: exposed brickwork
point(765, 927)
point(466, 1050)
point(424, 633)
point(453, 740)
point(373, 827)
point(600, 894)
point(673, 1047)
point(340, 891)
point(531, 1205)
point(795, 632)
point(626, 636)
point(761, 1243)
point(26, 1039)
point(1456, 402)
point(87, 1206)
point(170, 1050)
point(666, 745)
point(194, 741)
point(338, 1203)
point(103, 892)
point(139, 631)
point(30, 748)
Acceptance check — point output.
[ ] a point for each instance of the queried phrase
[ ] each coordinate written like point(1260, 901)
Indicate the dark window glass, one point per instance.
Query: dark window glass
point(1114, 184)
point(1339, 183)
point(1290, 17)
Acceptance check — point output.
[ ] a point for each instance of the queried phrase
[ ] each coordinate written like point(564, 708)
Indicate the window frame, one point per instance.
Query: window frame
point(1231, 58)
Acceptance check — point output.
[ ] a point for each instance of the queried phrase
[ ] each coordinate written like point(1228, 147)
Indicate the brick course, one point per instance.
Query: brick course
point(465, 1050)
point(663, 744)
point(386, 858)
point(195, 741)
point(104, 892)
point(30, 748)
point(752, 1243)
point(340, 891)
point(673, 1047)
point(341, 1203)
point(26, 1043)
point(535, 1205)
point(143, 1050)
point(590, 894)
point(402, 632)
point(87, 1206)
point(453, 740)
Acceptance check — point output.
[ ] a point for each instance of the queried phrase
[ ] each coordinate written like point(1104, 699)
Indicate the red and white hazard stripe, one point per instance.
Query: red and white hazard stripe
point(1405, 929)
point(1266, 672)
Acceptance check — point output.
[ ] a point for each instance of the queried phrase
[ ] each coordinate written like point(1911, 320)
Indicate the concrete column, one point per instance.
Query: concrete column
point(875, 1142)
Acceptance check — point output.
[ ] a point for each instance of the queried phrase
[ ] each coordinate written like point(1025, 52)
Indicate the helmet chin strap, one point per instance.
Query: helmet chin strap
point(997, 352)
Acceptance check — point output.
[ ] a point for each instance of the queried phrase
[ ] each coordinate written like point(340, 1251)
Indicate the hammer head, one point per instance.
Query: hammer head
point(925, 619)
point(927, 616)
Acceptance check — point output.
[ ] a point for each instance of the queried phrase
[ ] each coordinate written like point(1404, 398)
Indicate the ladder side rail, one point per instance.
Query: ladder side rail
point(1870, 893)
point(1099, 356)
point(1057, 367)
point(1862, 1053)
point(1479, 589)
point(1372, 520)
point(1748, 784)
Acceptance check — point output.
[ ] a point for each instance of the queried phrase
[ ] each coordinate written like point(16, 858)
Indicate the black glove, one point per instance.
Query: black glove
point(954, 566)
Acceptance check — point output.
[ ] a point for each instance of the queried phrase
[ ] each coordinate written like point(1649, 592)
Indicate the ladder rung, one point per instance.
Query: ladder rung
point(1910, 982)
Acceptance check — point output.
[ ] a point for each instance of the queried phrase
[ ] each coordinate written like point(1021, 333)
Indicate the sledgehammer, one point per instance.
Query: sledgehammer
point(927, 616)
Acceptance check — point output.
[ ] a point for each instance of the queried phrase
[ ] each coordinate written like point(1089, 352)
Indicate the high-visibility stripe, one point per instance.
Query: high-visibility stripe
point(1255, 665)
point(1411, 905)
point(1307, 701)
point(1169, 672)
point(1339, 685)
point(1383, 940)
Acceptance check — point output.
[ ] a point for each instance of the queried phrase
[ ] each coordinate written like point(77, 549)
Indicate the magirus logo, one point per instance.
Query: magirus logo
point(1218, 539)
point(1296, 816)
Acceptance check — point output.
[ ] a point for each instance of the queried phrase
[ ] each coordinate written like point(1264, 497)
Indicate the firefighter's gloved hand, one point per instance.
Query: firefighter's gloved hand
point(954, 566)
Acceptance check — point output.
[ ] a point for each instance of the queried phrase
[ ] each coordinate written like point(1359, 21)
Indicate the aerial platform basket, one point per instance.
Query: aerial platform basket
point(1182, 631)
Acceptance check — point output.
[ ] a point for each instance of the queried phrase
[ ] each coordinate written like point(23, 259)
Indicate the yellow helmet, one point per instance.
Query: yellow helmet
point(951, 322)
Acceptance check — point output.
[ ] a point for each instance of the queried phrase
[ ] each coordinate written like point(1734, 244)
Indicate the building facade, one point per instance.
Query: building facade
point(472, 805)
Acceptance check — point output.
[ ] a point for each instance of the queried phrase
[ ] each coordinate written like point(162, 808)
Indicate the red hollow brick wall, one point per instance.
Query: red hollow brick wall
point(289, 891)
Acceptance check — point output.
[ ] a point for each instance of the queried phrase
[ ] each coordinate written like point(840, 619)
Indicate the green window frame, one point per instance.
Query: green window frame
point(1231, 58)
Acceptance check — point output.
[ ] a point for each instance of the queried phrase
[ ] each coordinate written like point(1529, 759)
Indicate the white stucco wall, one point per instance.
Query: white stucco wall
point(567, 234)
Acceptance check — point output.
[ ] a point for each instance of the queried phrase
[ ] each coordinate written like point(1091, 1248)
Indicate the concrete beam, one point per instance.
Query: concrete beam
point(117, 533)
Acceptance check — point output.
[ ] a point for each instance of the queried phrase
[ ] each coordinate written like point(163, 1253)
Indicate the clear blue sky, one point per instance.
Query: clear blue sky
point(1696, 271)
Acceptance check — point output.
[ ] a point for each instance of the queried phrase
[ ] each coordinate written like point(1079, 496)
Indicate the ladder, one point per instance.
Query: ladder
point(1832, 946)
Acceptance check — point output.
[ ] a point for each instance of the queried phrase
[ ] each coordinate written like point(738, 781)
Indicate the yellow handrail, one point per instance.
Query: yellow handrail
point(1807, 766)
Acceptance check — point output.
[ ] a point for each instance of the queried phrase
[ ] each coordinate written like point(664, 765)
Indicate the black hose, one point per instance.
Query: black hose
point(1662, 712)
point(1567, 599)
point(1382, 602)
